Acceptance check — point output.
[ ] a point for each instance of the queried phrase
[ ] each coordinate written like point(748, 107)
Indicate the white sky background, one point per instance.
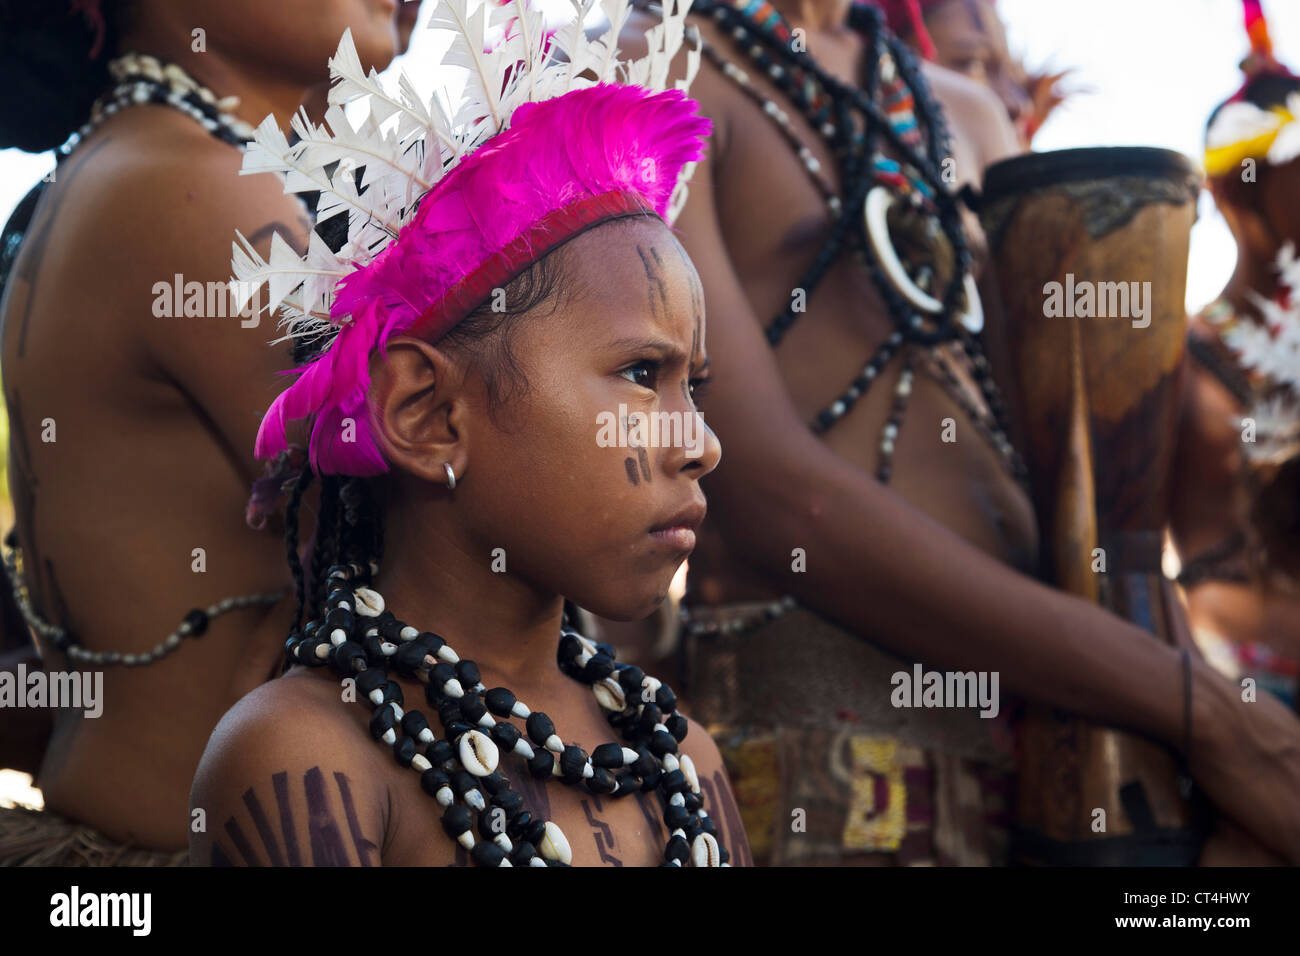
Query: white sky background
point(1155, 68)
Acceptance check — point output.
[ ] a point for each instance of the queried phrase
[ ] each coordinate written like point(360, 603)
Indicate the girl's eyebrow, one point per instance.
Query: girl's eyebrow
point(664, 350)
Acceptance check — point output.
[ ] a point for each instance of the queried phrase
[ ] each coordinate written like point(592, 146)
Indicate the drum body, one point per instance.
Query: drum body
point(1089, 251)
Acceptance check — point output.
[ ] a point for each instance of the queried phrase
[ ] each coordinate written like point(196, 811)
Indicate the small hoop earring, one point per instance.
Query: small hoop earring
point(451, 476)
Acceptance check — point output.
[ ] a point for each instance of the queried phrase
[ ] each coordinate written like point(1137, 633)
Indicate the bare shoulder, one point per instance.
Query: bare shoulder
point(974, 113)
point(719, 798)
point(288, 779)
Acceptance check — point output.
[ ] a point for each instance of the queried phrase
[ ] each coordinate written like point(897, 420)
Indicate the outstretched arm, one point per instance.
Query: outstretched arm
point(889, 571)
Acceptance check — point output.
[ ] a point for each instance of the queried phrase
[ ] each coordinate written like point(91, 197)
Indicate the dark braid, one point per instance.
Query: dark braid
point(325, 551)
point(291, 526)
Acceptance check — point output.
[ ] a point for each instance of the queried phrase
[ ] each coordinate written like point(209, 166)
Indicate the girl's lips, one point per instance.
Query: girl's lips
point(678, 538)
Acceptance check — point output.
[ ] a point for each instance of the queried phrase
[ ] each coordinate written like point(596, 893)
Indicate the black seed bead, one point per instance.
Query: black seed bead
point(674, 781)
point(602, 781)
point(371, 680)
point(456, 820)
point(382, 721)
point(504, 735)
point(472, 708)
point(448, 711)
point(500, 701)
point(676, 817)
point(308, 655)
point(677, 849)
point(409, 658)
point(651, 781)
point(440, 753)
point(374, 651)
point(573, 761)
point(404, 750)
point(487, 853)
point(522, 854)
point(414, 723)
point(393, 692)
point(630, 677)
point(467, 672)
point(539, 728)
point(310, 628)
point(197, 619)
point(723, 855)
point(462, 782)
point(339, 617)
point(441, 673)
point(570, 647)
point(651, 715)
point(599, 667)
point(456, 729)
point(692, 828)
point(608, 755)
point(519, 825)
point(541, 764)
point(430, 642)
point(662, 742)
point(535, 832)
point(344, 658)
point(433, 780)
point(607, 650)
point(391, 631)
point(627, 784)
point(666, 699)
point(509, 801)
point(557, 864)
point(341, 571)
point(677, 726)
point(645, 763)
point(693, 801)
point(494, 782)
point(709, 827)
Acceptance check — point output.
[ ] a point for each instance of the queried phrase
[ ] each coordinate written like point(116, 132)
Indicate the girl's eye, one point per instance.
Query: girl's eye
point(643, 373)
point(699, 388)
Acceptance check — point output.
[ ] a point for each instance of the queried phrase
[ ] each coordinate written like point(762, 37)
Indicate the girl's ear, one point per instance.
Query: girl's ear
point(420, 409)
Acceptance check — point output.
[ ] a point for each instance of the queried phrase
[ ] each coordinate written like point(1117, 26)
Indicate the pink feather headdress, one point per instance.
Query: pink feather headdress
point(457, 200)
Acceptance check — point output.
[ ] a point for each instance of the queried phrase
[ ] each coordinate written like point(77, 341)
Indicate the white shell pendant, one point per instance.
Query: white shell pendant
point(369, 603)
point(555, 846)
point(609, 694)
point(687, 767)
point(478, 754)
point(704, 851)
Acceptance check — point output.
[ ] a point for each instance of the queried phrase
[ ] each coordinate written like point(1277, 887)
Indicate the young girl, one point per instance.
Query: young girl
point(498, 307)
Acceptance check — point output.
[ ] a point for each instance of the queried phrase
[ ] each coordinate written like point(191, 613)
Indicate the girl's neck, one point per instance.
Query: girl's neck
point(433, 580)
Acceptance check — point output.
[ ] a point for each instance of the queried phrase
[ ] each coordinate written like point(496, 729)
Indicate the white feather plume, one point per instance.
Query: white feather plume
point(407, 141)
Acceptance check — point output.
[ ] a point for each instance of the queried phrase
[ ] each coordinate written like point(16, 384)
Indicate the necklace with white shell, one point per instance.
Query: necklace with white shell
point(144, 79)
point(361, 641)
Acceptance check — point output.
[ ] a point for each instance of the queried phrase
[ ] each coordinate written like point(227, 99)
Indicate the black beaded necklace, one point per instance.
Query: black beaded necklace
point(361, 640)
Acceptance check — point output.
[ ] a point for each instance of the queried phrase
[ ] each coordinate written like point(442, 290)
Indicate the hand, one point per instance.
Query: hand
point(1246, 757)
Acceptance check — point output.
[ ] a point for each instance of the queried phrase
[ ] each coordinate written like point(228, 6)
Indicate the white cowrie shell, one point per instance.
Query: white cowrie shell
point(704, 851)
point(555, 846)
point(687, 766)
point(369, 603)
point(478, 754)
point(609, 695)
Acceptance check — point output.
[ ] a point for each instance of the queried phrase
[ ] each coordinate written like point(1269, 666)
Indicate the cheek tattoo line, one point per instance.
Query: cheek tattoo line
point(644, 459)
point(630, 465)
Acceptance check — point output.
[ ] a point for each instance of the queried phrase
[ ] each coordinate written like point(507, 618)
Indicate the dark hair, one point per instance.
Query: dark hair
point(48, 79)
